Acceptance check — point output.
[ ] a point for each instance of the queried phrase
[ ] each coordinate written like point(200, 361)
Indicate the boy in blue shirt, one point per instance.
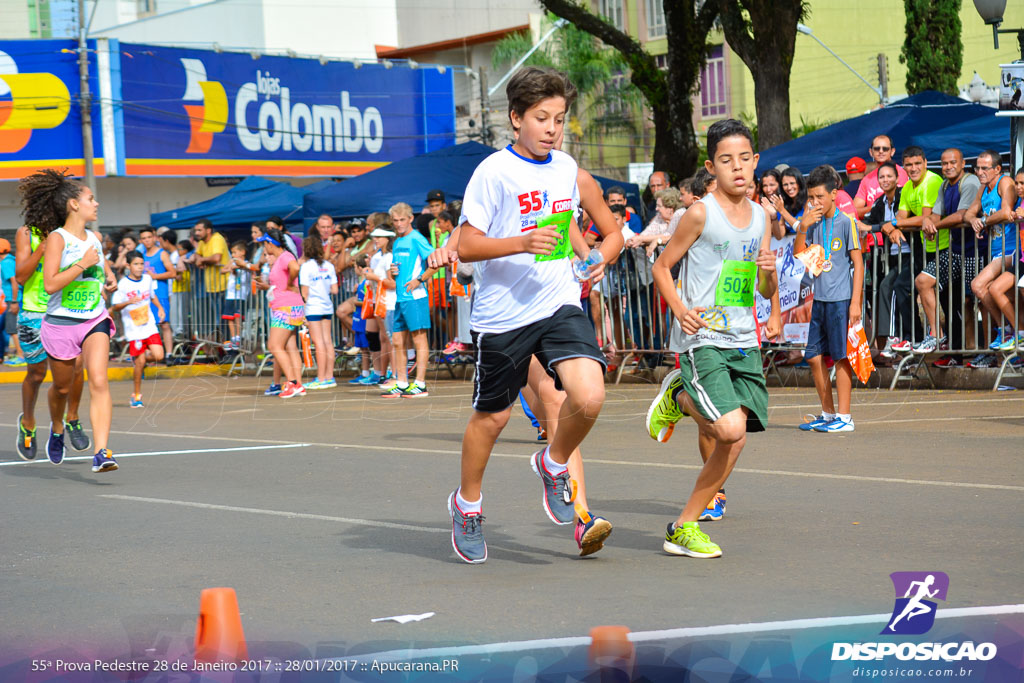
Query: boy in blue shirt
point(412, 307)
point(837, 296)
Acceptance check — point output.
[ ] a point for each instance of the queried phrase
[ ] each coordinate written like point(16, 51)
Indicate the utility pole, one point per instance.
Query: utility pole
point(485, 107)
point(85, 99)
point(883, 76)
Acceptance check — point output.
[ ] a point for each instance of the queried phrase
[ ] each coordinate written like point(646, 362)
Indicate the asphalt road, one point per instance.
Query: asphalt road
point(318, 539)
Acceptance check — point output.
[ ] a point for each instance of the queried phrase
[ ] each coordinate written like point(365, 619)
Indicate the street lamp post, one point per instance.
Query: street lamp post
point(991, 12)
point(806, 30)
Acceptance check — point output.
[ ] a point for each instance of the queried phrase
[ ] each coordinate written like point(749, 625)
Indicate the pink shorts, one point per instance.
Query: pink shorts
point(64, 342)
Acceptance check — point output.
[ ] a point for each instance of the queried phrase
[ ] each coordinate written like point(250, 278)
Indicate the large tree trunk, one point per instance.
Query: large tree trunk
point(763, 34)
point(773, 121)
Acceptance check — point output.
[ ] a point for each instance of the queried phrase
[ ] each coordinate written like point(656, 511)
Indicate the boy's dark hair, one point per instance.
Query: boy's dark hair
point(685, 184)
point(134, 255)
point(619, 209)
point(241, 244)
point(726, 128)
point(449, 216)
point(614, 189)
point(823, 175)
point(170, 237)
point(187, 245)
point(362, 260)
point(531, 84)
point(44, 199)
point(146, 228)
point(913, 151)
point(700, 182)
point(206, 223)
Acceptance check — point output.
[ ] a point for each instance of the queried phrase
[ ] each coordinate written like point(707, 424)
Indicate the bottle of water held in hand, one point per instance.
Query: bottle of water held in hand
point(582, 268)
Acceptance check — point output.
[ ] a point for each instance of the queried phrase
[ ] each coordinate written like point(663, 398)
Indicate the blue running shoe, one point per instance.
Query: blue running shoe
point(358, 379)
point(559, 491)
point(812, 424)
point(467, 533)
point(104, 461)
point(835, 426)
point(715, 509)
point(273, 390)
point(370, 380)
point(55, 450)
point(136, 401)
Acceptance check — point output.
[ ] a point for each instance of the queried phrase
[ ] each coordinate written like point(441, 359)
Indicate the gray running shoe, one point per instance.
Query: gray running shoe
point(559, 491)
point(76, 435)
point(467, 534)
point(26, 441)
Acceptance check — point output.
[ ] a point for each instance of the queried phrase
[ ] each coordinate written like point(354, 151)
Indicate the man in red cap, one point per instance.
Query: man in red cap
point(855, 170)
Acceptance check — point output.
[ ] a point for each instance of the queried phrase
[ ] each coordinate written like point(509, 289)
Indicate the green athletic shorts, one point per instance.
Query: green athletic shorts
point(722, 380)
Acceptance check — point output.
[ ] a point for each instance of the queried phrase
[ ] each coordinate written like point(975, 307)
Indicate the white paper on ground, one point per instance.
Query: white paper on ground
point(405, 618)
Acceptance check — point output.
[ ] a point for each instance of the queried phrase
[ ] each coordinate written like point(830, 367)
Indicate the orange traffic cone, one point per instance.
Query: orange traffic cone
point(611, 651)
point(219, 636)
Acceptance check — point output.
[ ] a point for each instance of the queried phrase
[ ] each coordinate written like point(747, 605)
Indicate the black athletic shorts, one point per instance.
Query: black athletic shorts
point(503, 359)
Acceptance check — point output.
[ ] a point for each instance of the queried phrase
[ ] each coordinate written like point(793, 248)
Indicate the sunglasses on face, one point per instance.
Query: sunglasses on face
point(880, 149)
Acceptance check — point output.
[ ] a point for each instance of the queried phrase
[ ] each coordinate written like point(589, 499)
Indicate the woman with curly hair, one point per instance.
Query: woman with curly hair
point(76, 322)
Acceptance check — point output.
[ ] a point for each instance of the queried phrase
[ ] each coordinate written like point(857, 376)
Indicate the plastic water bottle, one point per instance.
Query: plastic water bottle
point(582, 268)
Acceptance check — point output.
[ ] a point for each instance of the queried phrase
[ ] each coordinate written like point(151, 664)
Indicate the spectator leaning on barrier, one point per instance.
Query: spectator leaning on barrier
point(959, 264)
point(868, 191)
point(657, 182)
point(992, 214)
point(895, 306)
point(1002, 290)
point(211, 255)
point(790, 204)
point(916, 202)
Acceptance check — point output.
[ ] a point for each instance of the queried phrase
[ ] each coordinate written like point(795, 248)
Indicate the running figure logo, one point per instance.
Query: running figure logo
point(914, 611)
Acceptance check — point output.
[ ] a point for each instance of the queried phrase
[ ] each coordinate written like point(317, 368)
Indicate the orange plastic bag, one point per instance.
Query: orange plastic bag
point(368, 304)
point(859, 353)
point(380, 308)
point(456, 288)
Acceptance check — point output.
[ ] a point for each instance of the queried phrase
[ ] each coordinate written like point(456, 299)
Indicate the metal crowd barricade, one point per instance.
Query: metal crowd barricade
point(628, 312)
point(252, 330)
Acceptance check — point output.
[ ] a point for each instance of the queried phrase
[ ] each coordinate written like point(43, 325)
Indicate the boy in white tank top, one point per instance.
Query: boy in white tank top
point(723, 244)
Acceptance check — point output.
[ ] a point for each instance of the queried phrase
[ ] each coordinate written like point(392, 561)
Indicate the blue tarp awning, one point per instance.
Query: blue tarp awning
point(409, 180)
point(931, 120)
point(254, 199)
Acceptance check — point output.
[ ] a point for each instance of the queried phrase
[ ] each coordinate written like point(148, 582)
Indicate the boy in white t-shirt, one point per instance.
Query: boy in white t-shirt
point(135, 294)
point(515, 224)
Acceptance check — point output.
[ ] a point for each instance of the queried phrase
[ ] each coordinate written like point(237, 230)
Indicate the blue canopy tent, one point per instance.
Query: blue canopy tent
point(448, 169)
point(253, 199)
point(931, 120)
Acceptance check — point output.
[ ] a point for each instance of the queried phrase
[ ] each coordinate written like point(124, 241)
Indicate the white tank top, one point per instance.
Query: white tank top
point(81, 298)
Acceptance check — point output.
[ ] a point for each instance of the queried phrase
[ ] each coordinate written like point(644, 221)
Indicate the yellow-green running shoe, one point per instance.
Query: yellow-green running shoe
point(664, 411)
point(689, 540)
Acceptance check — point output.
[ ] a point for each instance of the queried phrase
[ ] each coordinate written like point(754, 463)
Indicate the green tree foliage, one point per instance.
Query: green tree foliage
point(932, 51)
point(608, 101)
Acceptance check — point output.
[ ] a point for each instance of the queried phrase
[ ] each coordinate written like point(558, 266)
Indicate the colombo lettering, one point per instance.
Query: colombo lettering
point(279, 124)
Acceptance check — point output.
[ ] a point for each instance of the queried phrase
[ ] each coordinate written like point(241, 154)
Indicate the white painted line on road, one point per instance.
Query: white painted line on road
point(77, 458)
point(596, 461)
point(278, 513)
point(644, 636)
